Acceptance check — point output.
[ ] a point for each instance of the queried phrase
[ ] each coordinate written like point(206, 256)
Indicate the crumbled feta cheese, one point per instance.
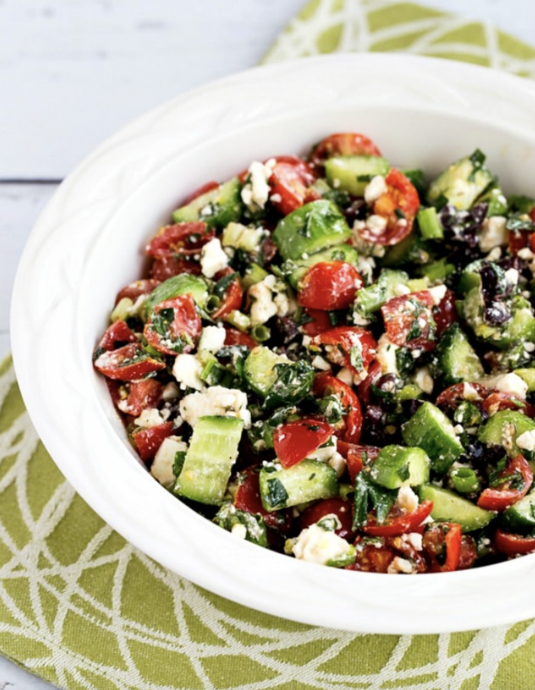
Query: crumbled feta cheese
point(414, 539)
point(212, 339)
point(319, 363)
point(526, 441)
point(338, 463)
point(317, 545)
point(255, 192)
point(526, 254)
point(376, 224)
point(458, 429)
point(386, 355)
point(149, 417)
point(325, 452)
point(376, 188)
point(495, 254)
point(424, 380)
point(262, 305)
point(213, 258)
point(345, 375)
point(401, 565)
point(282, 303)
point(407, 499)
point(400, 289)
point(365, 267)
point(170, 392)
point(217, 401)
point(333, 354)
point(438, 293)
point(239, 530)
point(493, 233)
point(470, 393)
point(511, 276)
point(162, 465)
point(513, 384)
point(187, 370)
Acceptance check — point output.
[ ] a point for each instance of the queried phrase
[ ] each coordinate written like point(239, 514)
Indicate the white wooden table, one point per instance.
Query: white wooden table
point(71, 73)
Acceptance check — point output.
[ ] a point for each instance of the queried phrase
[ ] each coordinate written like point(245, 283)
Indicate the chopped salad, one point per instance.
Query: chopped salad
point(334, 359)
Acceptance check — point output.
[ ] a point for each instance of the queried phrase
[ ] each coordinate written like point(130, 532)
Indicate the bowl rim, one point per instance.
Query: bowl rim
point(381, 605)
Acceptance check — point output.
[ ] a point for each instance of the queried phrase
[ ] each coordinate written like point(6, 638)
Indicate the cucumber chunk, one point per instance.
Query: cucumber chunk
point(457, 359)
point(462, 182)
point(429, 224)
point(448, 507)
point(259, 369)
point(521, 515)
point(295, 270)
point(218, 207)
point(370, 299)
point(528, 376)
point(176, 286)
point(353, 173)
point(310, 229)
point(503, 428)
point(211, 454)
point(396, 464)
point(310, 480)
point(430, 429)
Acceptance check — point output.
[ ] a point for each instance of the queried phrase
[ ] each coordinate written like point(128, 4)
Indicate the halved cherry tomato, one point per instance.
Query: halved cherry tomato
point(453, 396)
point(351, 346)
point(326, 384)
point(518, 239)
point(409, 320)
point(364, 387)
point(128, 363)
point(442, 546)
point(204, 189)
point(398, 206)
point(169, 266)
point(342, 144)
point(141, 395)
point(329, 285)
point(136, 289)
point(512, 484)
point(295, 441)
point(399, 524)
point(182, 239)
point(356, 456)
point(513, 544)
point(319, 323)
point(498, 400)
point(468, 552)
point(117, 333)
point(372, 557)
point(248, 499)
point(150, 439)
point(330, 506)
point(235, 337)
point(290, 182)
point(445, 313)
point(173, 325)
point(233, 295)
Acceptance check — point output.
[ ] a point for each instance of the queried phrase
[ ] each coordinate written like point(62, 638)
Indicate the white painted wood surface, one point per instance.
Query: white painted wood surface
point(73, 71)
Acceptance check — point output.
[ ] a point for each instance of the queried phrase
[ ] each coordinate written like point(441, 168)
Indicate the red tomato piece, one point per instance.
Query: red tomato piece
point(173, 325)
point(498, 400)
point(468, 552)
point(235, 337)
point(330, 506)
point(136, 289)
point(150, 439)
point(442, 546)
point(445, 313)
point(128, 363)
point(400, 524)
point(351, 347)
point(248, 499)
point(233, 295)
point(518, 239)
point(398, 206)
point(453, 396)
point(364, 388)
point(513, 544)
point(169, 266)
point(290, 182)
point(356, 456)
point(329, 285)
point(409, 320)
point(319, 323)
point(342, 144)
point(182, 239)
point(327, 384)
point(295, 441)
point(117, 333)
point(204, 189)
point(510, 486)
point(142, 394)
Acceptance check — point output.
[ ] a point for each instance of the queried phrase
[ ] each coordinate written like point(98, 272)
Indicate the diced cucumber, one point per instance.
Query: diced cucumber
point(295, 270)
point(503, 428)
point(176, 286)
point(430, 429)
point(449, 507)
point(259, 369)
point(496, 200)
point(412, 250)
point(372, 298)
point(211, 454)
point(310, 229)
point(310, 480)
point(218, 207)
point(353, 173)
point(520, 327)
point(528, 376)
point(396, 464)
point(437, 271)
point(253, 274)
point(429, 224)
point(462, 182)
point(251, 526)
point(521, 515)
point(457, 359)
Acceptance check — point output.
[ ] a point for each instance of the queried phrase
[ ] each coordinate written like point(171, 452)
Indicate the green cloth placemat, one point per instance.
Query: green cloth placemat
point(82, 608)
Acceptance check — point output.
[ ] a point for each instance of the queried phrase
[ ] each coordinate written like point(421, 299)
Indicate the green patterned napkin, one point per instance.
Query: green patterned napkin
point(82, 608)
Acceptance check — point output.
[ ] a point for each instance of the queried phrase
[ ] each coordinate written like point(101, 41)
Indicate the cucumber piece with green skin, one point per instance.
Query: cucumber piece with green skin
point(528, 376)
point(295, 270)
point(309, 229)
point(412, 250)
point(503, 428)
point(462, 182)
point(457, 359)
point(520, 327)
point(310, 480)
point(521, 515)
point(370, 299)
point(212, 452)
point(496, 200)
point(218, 207)
point(259, 369)
point(353, 173)
point(437, 271)
point(449, 507)
point(178, 285)
point(430, 429)
point(396, 464)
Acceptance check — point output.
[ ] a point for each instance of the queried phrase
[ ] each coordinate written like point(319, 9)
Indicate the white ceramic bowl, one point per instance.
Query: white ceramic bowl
point(89, 242)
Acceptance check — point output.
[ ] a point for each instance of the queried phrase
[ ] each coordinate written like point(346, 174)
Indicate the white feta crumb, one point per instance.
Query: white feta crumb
point(162, 465)
point(526, 441)
point(386, 355)
point(401, 565)
point(438, 293)
point(493, 233)
point(319, 363)
point(316, 545)
point(217, 401)
point(376, 224)
point(401, 289)
point(263, 306)
point(345, 375)
point(255, 192)
point(424, 380)
point(458, 428)
point(526, 254)
point(213, 258)
point(239, 530)
point(415, 539)
point(325, 452)
point(338, 463)
point(512, 383)
point(406, 499)
point(212, 339)
point(187, 370)
point(170, 392)
point(511, 276)
point(149, 417)
point(376, 188)
point(470, 393)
